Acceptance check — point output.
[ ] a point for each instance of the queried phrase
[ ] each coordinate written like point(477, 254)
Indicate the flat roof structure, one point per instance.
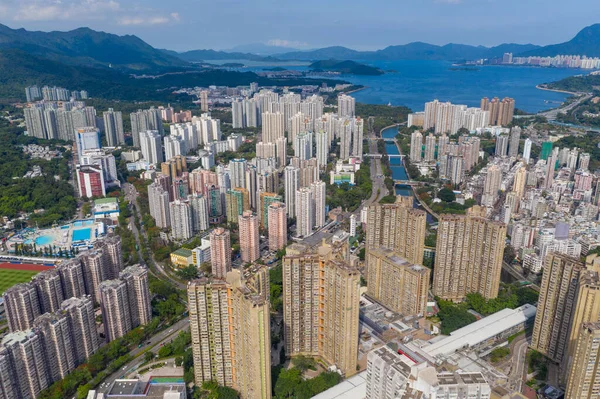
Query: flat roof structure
point(354, 387)
point(481, 330)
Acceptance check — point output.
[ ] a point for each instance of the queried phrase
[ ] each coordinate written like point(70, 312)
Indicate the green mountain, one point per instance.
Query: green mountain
point(86, 47)
point(586, 42)
point(345, 67)
point(19, 69)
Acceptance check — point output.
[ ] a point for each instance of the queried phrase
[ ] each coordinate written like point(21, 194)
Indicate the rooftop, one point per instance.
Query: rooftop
point(481, 330)
point(183, 252)
point(354, 387)
point(155, 388)
point(103, 201)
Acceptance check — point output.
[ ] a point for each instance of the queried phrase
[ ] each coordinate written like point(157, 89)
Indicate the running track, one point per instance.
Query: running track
point(25, 266)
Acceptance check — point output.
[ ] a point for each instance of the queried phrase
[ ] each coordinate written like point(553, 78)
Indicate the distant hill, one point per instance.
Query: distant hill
point(260, 49)
point(586, 42)
point(208, 55)
point(411, 51)
point(345, 67)
point(87, 47)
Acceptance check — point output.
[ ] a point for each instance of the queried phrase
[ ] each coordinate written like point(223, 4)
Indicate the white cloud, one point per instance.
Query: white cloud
point(52, 10)
point(84, 10)
point(286, 43)
point(149, 20)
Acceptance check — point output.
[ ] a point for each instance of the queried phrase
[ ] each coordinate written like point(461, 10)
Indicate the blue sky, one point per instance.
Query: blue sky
point(360, 24)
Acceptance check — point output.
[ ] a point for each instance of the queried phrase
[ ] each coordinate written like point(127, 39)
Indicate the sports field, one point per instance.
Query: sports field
point(8, 278)
point(11, 274)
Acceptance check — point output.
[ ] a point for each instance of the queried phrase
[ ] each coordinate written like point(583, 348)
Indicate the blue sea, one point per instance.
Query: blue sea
point(413, 83)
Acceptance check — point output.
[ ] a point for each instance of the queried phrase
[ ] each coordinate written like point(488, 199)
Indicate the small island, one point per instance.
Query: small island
point(345, 67)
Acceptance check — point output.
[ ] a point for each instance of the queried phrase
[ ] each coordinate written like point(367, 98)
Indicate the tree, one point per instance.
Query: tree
point(509, 254)
point(188, 273)
point(446, 195)
point(148, 356)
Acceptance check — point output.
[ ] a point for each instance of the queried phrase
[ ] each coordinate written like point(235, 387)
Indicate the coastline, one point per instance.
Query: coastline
point(540, 87)
point(355, 90)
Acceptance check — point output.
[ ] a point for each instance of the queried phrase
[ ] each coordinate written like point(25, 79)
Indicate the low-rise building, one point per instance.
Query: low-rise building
point(182, 257)
point(106, 208)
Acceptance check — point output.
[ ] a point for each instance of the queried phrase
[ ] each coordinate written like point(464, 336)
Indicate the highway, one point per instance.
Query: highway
point(155, 342)
point(553, 113)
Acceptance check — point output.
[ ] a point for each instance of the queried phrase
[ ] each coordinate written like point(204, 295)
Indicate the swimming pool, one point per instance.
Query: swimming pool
point(82, 234)
point(41, 240)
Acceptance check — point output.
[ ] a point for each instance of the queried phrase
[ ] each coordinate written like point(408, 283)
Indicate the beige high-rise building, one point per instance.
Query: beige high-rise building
point(82, 320)
point(22, 306)
point(136, 278)
point(469, 252)
point(399, 227)
point(321, 297)
point(557, 302)
point(231, 343)
point(249, 237)
point(396, 283)
point(49, 289)
point(116, 312)
point(23, 371)
point(58, 344)
point(95, 269)
point(277, 226)
point(220, 252)
point(584, 375)
point(71, 275)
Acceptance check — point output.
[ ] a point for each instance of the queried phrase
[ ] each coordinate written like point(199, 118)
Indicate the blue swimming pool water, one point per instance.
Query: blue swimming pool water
point(65, 227)
point(82, 235)
point(41, 240)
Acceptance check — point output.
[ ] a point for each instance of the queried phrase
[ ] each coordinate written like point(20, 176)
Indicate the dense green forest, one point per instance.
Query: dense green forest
point(54, 195)
point(578, 84)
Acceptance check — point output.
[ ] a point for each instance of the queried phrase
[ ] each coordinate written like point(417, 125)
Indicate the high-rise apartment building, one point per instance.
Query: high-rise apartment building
point(399, 227)
point(151, 146)
point(273, 126)
point(469, 252)
point(204, 100)
point(181, 220)
point(502, 145)
point(71, 275)
point(237, 200)
point(138, 291)
point(82, 320)
point(230, 326)
point(491, 186)
point(125, 302)
point(23, 371)
point(277, 226)
point(319, 194)
point(430, 141)
point(49, 289)
point(515, 138)
point(158, 198)
point(116, 312)
point(396, 283)
point(305, 212)
point(144, 120)
point(321, 297)
point(346, 105)
point(113, 127)
point(416, 144)
point(584, 374)
point(249, 237)
point(557, 302)
point(58, 344)
point(220, 252)
point(292, 184)
point(527, 150)
point(22, 306)
point(501, 111)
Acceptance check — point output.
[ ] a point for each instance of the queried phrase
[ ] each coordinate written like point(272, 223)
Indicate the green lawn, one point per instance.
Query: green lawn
point(9, 277)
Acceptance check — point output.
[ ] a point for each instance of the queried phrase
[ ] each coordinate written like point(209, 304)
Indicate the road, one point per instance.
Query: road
point(379, 189)
point(552, 114)
point(518, 372)
point(131, 195)
point(155, 342)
